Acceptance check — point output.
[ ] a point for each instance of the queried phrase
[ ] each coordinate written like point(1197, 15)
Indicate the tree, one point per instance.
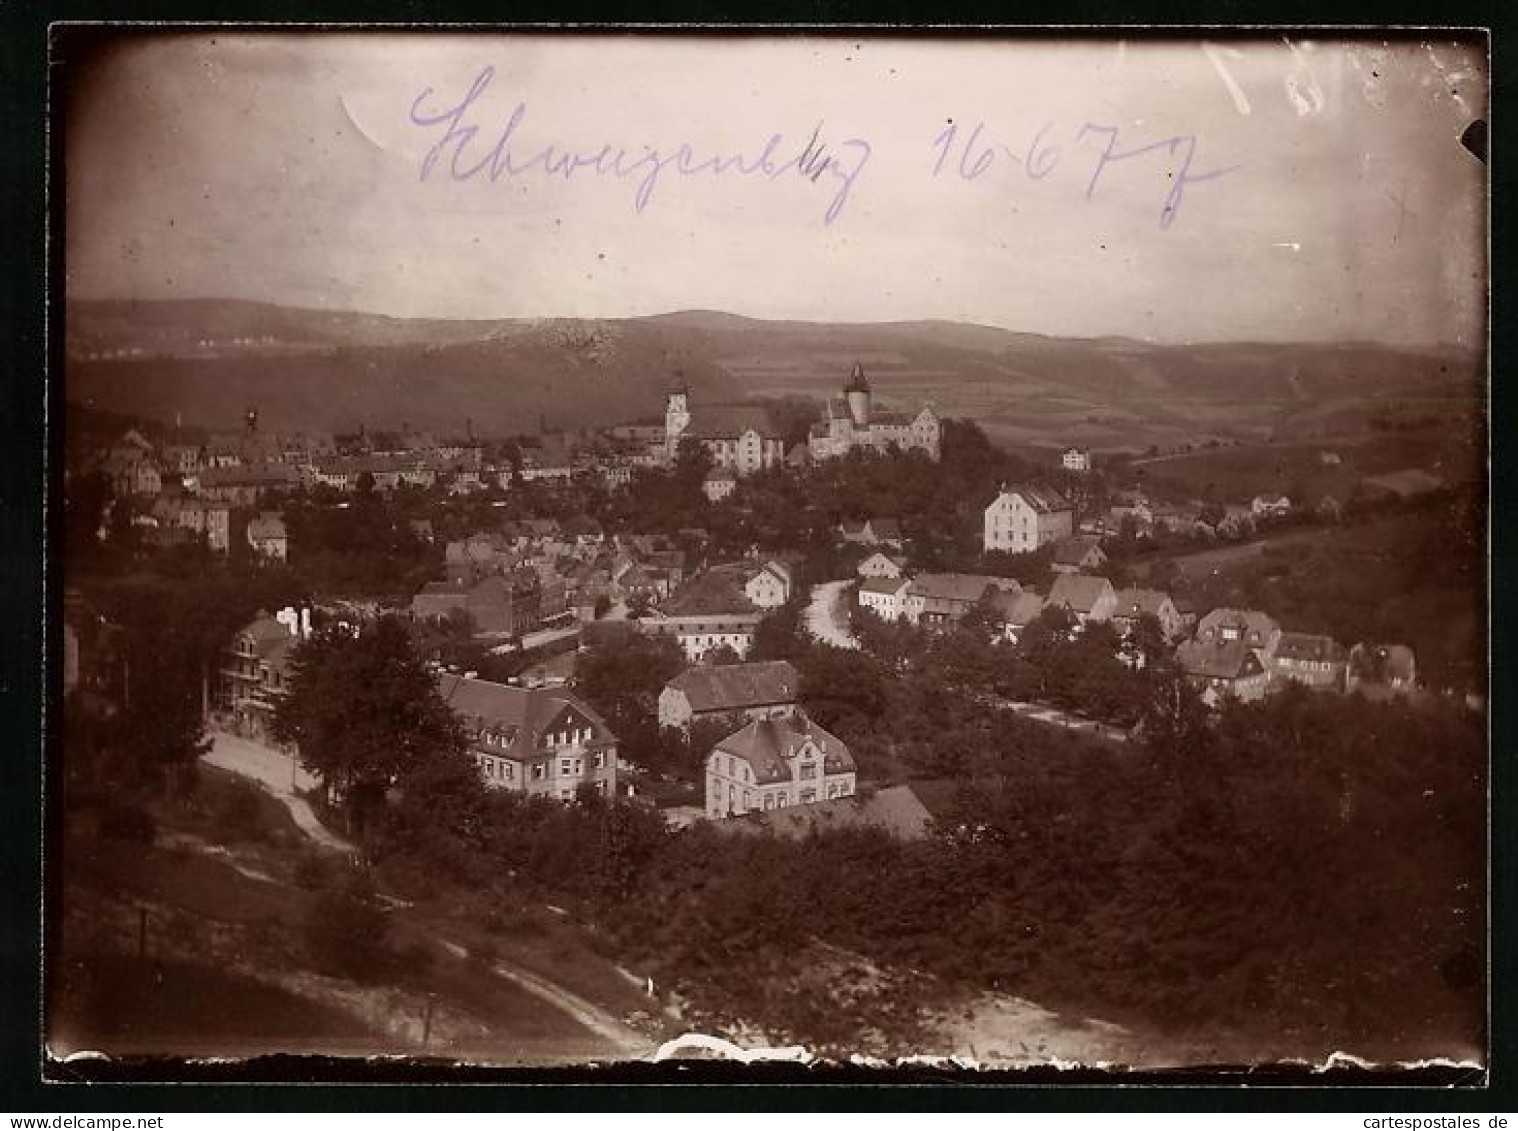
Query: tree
point(366, 715)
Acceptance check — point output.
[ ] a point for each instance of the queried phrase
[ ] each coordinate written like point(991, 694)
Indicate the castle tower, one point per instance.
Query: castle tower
point(858, 393)
point(676, 419)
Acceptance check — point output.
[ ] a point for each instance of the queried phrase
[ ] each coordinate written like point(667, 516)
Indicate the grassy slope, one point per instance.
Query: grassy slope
point(172, 1002)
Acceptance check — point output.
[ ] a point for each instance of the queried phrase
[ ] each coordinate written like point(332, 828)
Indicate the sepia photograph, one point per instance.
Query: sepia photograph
point(842, 548)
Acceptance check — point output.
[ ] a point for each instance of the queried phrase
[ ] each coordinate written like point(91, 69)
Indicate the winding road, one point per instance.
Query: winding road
point(825, 618)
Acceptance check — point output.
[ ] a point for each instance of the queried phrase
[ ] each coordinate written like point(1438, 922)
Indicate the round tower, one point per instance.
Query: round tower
point(858, 393)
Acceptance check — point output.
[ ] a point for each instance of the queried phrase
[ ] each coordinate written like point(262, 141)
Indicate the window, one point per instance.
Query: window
point(564, 767)
point(538, 769)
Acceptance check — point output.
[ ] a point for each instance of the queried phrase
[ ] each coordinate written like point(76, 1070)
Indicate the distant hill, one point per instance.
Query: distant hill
point(208, 360)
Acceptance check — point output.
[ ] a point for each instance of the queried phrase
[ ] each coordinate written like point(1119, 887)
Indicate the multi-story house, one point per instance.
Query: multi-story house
point(1231, 654)
point(542, 741)
point(497, 605)
point(886, 597)
point(936, 600)
point(256, 671)
point(719, 484)
point(740, 438)
point(1021, 519)
point(1076, 459)
point(852, 422)
point(762, 690)
point(769, 585)
point(776, 763)
point(1318, 661)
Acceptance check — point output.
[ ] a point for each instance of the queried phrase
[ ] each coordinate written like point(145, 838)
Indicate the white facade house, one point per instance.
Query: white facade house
point(886, 597)
point(1021, 519)
point(776, 763)
point(1076, 459)
point(770, 586)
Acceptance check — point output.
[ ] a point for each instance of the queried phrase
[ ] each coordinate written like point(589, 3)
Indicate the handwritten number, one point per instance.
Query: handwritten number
point(1041, 158)
point(944, 140)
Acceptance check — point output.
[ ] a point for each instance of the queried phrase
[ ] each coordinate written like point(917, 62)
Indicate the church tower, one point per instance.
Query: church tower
point(858, 393)
point(676, 419)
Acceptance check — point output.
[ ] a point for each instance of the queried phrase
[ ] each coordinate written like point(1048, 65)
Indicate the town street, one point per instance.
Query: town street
point(825, 618)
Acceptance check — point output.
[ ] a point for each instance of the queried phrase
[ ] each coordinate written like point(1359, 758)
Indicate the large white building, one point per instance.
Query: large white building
point(1022, 519)
point(775, 763)
point(853, 422)
point(739, 438)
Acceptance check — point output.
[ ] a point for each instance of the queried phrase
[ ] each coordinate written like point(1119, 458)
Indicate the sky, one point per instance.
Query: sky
point(1268, 190)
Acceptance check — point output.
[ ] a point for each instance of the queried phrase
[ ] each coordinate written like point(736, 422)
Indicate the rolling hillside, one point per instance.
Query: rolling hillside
point(209, 359)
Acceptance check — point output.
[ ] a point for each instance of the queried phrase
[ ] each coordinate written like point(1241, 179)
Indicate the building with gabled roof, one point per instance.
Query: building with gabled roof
point(742, 438)
point(896, 810)
point(777, 763)
point(256, 670)
point(1016, 611)
point(1303, 657)
point(1131, 604)
point(543, 741)
point(935, 600)
point(758, 690)
point(1023, 518)
point(1078, 555)
point(1088, 598)
point(886, 597)
point(1231, 654)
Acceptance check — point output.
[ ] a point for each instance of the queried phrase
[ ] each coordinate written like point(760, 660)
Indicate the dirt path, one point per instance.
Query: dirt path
point(281, 776)
point(275, 773)
point(824, 617)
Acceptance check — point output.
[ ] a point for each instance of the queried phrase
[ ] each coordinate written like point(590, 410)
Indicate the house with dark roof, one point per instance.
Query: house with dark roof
point(1088, 598)
point(741, 438)
point(1231, 654)
point(1023, 518)
point(498, 605)
point(760, 690)
point(543, 741)
point(1016, 611)
point(710, 611)
point(1078, 555)
point(896, 810)
point(935, 600)
point(777, 763)
point(872, 532)
point(1320, 662)
point(1132, 604)
point(719, 483)
point(886, 597)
